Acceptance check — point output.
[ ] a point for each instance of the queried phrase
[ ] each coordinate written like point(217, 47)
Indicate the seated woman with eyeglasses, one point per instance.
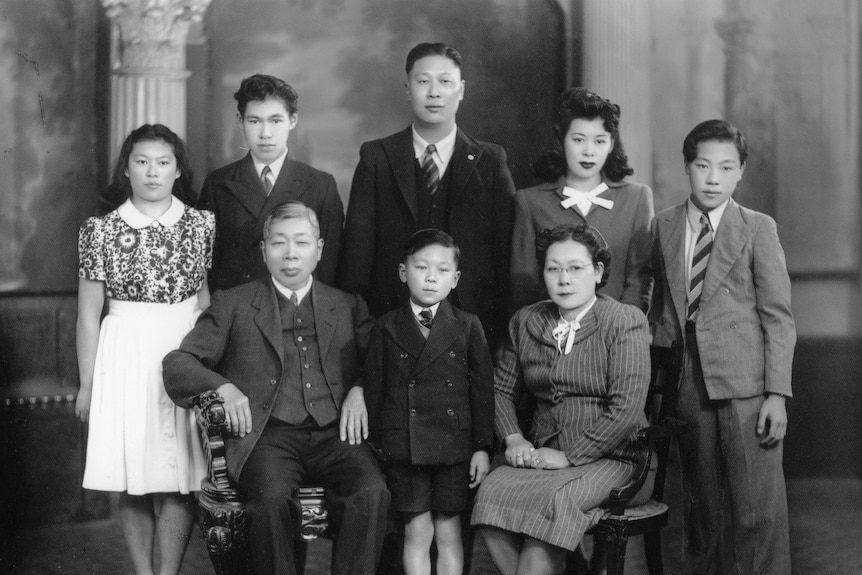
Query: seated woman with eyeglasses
point(584, 358)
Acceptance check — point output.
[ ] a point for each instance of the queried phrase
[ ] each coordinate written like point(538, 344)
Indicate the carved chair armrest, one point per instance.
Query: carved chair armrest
point(210, 415)
point(655, 441)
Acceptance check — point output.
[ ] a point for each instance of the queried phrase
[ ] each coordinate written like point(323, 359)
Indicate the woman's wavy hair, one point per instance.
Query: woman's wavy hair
point(584, 234)
point(583, 103)
point(120, 189)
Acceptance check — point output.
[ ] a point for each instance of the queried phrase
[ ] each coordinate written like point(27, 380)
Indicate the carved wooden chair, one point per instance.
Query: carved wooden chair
point(223, 519)
point(648, 518)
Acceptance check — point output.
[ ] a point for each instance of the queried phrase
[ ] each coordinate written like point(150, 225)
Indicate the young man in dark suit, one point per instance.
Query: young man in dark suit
point(431, 175)
point(241, 194)
point(286, 352)
point(723, 292)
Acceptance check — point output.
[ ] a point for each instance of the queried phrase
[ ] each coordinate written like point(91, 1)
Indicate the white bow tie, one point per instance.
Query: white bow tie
point(585, 200)
point(566, 331)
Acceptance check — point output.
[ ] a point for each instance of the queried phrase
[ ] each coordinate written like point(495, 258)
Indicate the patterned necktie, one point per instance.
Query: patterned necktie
point(425, 318)
point(293, 299)
point(429, 166)
point(698, 264)
point(266, 178)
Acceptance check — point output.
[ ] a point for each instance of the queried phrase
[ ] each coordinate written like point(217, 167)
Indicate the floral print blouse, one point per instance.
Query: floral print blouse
point(145, 260)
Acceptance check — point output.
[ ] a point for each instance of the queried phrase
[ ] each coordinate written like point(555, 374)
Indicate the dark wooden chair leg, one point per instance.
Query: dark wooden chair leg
point(652, 547)
point(616, 550)
point(224, 525)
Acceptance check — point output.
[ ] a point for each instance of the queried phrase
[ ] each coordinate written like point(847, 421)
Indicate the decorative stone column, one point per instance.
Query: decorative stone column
point(148, 62)
point(749, 95)
point(616, 64)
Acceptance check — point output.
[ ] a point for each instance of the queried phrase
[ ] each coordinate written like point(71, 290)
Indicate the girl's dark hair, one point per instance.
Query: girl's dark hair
point(583, 103)
point(584, 234)
point(120, 188)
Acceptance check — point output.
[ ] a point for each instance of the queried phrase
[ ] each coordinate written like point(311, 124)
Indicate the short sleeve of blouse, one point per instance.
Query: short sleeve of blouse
point(91, 261)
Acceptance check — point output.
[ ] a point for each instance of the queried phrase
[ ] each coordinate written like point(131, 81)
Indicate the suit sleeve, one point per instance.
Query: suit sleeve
point(481, 388)
point(373, 381)
point(357, 255)
point(524, 269)
point(508, 386)
point(504, 194)
point(772, 295)
point(628, 376)
point(190, 370)
point(331, 218)
point(363, 324)
point(638, 280)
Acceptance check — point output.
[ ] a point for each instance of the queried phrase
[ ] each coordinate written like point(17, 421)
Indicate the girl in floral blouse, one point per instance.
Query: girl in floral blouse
point(147, 259)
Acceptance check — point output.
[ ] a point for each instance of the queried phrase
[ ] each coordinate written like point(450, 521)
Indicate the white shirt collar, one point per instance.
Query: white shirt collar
point(274, 166)
point(417, 308)
point(445, 147)
point(137, 220)
point(693, 215)
point(286, 291)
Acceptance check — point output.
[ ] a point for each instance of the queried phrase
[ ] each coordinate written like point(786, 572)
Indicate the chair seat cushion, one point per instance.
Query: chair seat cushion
point(651, 508)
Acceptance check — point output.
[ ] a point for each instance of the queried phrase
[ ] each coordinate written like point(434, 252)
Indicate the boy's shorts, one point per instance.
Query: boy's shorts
point(419, 488)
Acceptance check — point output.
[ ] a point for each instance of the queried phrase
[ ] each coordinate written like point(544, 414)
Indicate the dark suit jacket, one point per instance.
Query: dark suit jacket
point(430, 402)
point(238, 339)
point(745, 329)
point(235, 194)
point(382, 214)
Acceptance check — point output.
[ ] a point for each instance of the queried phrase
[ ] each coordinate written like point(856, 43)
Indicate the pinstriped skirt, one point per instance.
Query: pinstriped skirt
point(553, 506)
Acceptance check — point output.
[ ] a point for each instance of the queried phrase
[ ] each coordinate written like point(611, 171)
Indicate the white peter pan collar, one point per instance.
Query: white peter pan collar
point(133, 216)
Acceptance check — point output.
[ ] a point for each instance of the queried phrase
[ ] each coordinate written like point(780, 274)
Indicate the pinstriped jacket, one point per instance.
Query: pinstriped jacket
point(590, 402)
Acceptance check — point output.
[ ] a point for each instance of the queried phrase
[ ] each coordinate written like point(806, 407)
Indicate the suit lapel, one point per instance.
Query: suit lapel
point(291, 184)
point(246, 187)
point(673, 247)
point(325, 318)
point(399, 151)
point(730, 238)
point(465, 158)
point(444, 331)
point(268, 317)
point(405, 331)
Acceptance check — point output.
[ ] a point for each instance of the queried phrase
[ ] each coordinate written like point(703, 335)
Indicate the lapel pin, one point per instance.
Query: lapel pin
point(471, 157)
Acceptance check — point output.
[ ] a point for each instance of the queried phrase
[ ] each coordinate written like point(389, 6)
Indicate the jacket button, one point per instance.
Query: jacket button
point(272, 382)
point(403, 356)
point(412, 413)
point(725, 291)
point(266, 406)
point(448, 383)
point(452, 354)
point(450, 412)
point(733, 325)
point(411, 383)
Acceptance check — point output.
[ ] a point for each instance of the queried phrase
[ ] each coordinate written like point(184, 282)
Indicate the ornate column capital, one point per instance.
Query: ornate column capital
point(151, 34)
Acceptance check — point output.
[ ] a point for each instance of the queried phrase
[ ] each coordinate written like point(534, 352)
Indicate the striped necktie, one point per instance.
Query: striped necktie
point(698, 264)
point(266, 178)
point(429, 166)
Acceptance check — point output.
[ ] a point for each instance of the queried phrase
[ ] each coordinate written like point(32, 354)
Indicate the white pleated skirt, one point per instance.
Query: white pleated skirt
point(140, 441)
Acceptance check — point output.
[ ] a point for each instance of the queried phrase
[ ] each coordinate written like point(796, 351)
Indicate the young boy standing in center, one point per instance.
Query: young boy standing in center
point(723, 292)
point(430, 396)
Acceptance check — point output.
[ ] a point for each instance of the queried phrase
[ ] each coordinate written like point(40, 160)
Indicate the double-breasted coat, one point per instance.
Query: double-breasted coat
point(430, 401)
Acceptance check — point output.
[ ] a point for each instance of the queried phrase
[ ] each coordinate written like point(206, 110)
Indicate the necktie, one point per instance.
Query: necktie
point(266, 178)
point(698, 264)
point(429, 166)
point(425, 318)
point(293, 299)
point(585, 200)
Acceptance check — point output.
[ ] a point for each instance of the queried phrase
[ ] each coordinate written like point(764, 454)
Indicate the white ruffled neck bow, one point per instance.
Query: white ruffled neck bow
point(566, 330)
